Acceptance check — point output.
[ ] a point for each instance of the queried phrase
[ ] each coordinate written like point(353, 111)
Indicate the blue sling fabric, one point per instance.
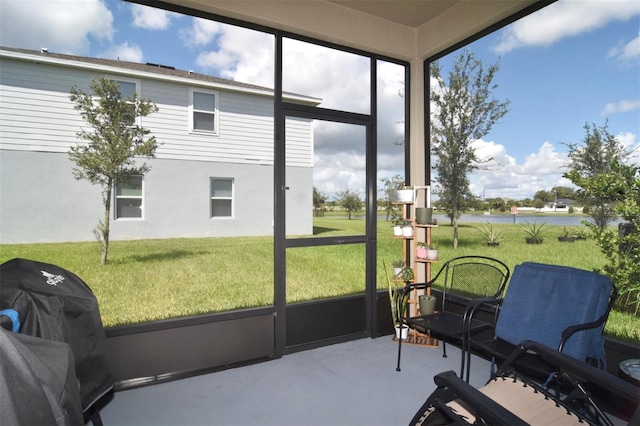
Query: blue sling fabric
point(542, 300)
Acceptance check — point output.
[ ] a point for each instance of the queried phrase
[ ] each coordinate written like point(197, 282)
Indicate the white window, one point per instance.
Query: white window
point(128, 88)
point(129, 198)
point(221, 197)
point(204, 111)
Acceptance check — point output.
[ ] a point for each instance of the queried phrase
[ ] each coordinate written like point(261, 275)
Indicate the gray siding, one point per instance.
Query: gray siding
point(42, 202)
point(37, 115)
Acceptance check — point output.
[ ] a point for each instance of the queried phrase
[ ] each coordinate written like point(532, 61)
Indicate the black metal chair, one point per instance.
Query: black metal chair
point(465, 282)
point(511, 398)
point(561, 307)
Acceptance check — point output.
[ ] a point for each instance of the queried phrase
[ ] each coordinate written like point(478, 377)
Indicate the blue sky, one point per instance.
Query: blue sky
point(574, 62)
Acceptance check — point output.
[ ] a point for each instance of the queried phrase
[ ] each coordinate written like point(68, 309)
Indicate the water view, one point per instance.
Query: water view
point(560, 220)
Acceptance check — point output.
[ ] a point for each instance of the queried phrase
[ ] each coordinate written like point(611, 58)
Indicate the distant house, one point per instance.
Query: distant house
point(561, 205)
point(212, 175)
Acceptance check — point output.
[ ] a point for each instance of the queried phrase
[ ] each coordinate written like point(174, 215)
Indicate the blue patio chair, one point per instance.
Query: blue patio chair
point(558, 306)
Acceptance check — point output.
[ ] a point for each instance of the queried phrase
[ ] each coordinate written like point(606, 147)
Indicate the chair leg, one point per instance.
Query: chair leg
point(399, 352)
point(444, 349)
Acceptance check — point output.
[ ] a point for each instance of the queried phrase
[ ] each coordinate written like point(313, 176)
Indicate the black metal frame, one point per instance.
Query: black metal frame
point(580, 378)
point(443, 325)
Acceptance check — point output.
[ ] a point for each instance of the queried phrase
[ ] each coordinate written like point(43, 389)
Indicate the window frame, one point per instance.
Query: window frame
point(231, 198)
point(133, 81)
point(117, 198)
point(215, 112)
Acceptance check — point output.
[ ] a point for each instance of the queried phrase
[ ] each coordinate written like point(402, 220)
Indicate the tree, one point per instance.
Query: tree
point(464, 110)
point(595, 157)
point(349, 201)
point(390, 185)
point(620, 185)
point(319, 199)
point(563, 192)
point(111, 148)
point(543, 196)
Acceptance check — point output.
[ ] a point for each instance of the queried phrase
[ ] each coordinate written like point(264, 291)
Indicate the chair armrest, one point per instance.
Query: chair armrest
point(483, 406)
point(569, 331)
point(475, 305)
point(417, 286)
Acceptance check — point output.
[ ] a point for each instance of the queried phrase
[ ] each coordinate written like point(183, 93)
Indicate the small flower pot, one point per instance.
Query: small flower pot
point(397, 272)
point(423, 215)
point(421, 252)
point(432, 254)
point(407, 231)
point(402, 331)
point(427, 304)
point(397, 231)
point(403, 196)
point(566, 239)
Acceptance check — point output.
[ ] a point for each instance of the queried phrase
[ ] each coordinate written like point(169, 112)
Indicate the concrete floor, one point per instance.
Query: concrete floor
point(353, 383)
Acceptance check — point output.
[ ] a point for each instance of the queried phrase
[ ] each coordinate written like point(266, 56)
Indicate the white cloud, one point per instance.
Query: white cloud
point(64, 26)
point(124, 52)
point(565, 18)
point(630, 142)
point(627, 139)
point(541, 170)
point(151, 18)
point(235, 53)
point(340, 79)
point(627, 52)
point(202, 32)
point(622, 106)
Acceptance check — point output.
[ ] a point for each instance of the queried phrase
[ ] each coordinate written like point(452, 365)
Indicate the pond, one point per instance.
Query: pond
point(560, 220)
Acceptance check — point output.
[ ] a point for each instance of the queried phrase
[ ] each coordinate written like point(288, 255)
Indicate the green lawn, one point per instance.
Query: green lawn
point(158, 279)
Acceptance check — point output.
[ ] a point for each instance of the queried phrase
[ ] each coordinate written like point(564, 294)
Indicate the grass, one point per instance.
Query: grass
point(158, 279)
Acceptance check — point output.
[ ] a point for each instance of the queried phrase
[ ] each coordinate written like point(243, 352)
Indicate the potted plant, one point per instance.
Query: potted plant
point(397, 268)
point(427, 303)
point(566, 235)
point(407, 229)
point(406, 274)
point(423, 215)
point(581, 233)
point(491, 235)
point(397, 227)
point(398, 304)
point(534, 233)
point(432, 252)
point(421, 250)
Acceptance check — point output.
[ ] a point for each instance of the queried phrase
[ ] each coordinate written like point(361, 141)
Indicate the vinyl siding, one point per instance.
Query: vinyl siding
point(37, 115)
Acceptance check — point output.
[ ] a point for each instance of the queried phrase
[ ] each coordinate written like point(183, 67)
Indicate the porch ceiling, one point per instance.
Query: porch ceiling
point(403, 29)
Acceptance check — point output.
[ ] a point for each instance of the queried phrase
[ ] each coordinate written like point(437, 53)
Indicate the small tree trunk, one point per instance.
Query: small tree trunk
point(106, 224)
point(454, 220)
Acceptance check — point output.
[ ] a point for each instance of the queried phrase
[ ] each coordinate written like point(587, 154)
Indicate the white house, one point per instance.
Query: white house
point(212, 175)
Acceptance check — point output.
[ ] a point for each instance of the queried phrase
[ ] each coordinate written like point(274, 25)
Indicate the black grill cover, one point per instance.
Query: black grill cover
point(53, 303)
point(38, 382)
